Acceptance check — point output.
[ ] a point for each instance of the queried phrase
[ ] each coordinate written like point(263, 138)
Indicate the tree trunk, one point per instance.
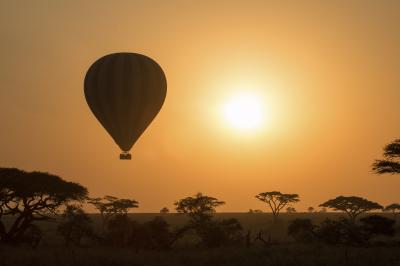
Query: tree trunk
point(274, 218)
point(2, 231)
point(18, 228)
point(353, 218)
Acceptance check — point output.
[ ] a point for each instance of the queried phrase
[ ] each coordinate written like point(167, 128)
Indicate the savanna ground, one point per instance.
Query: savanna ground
point(281, 251)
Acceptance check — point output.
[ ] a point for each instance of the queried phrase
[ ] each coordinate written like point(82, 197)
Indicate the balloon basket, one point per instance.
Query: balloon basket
point(125, 156)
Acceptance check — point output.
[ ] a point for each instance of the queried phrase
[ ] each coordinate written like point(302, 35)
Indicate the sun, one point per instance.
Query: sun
point(244, 111)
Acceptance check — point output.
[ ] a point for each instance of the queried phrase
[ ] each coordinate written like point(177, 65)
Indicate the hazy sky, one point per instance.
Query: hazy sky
point(328, 71)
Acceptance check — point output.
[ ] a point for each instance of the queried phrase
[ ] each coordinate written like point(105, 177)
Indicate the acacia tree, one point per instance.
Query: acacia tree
point(391, 162)
point(393, 208)
point(32, 196)
point(199, 208)
point(352, 206)
point(164, 210)
point(310, 209)
point(110, 206)
point(277, 201)
point(290, 210)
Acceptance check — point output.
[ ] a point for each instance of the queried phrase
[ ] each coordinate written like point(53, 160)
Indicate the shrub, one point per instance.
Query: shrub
point(154, 234)
point(75, 225)
point(302, 230)
point(219, 233)
point(377, 225)
point(119, 230)
point(340, 232)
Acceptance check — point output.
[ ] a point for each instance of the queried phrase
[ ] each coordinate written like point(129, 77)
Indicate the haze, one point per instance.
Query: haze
point(329, 73)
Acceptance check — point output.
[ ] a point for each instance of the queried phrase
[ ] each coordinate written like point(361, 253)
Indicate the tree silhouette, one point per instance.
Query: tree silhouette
point(352, 206)
point(341, 231)
point(310, 209)
point(277, 201)
point(75, 225)
point(120, 230)
point(302, 230)
point(390, 164)
point(164, 210)
point(155, 234)
point(218, 233)
point(199, 208)
point(377, 225)
point(32, 196)
point(393, 208)
point(109, 206)
point(322, 210)
point(290, 210)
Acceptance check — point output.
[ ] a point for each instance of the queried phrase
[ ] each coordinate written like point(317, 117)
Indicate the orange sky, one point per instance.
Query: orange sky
point(330, 73)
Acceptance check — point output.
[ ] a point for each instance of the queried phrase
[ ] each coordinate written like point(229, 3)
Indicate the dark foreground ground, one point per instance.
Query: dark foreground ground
point(289, 254)
point(52, 251)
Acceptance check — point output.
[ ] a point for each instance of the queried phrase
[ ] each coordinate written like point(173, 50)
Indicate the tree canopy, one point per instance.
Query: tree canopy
point(277, 200)
point(213, 233)
point(352, 206)
point(394, 208)
point(391, 162)
point(164, 210)
point(33, 196)
point(290, 209)
point(198, 207)
point(110, 206)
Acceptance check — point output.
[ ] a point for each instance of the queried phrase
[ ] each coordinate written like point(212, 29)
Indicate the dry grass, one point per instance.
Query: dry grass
point(296, 255)
point(52, 252)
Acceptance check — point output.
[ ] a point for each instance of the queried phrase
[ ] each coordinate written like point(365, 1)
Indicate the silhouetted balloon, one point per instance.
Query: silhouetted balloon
point(125, 91)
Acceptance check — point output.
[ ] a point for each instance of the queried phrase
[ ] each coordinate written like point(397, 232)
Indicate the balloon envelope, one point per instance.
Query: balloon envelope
point(125, 91)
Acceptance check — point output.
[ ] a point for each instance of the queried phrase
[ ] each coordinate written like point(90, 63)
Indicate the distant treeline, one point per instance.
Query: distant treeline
point(30, 197)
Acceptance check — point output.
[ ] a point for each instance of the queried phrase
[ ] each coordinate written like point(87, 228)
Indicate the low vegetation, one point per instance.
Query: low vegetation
point(42, 222)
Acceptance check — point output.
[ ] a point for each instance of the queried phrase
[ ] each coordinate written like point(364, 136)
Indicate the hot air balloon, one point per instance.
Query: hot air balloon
point(125, 92)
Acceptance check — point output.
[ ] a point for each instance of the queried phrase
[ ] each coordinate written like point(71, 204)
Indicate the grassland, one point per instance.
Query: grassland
point(253, 222)
point(281, 255)
point(285, 252)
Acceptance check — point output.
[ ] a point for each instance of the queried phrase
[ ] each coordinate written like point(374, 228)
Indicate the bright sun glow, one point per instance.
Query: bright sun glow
point(244, 111)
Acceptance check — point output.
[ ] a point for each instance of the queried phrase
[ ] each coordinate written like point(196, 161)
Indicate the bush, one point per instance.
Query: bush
point(119, 230)
point(75, 225)
point(348, 233)
point(340, 232)
point(225, 232)
point(302, 230)
point(154, 234)
point(31, 236)
point(378, 225)
point(232, 229)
